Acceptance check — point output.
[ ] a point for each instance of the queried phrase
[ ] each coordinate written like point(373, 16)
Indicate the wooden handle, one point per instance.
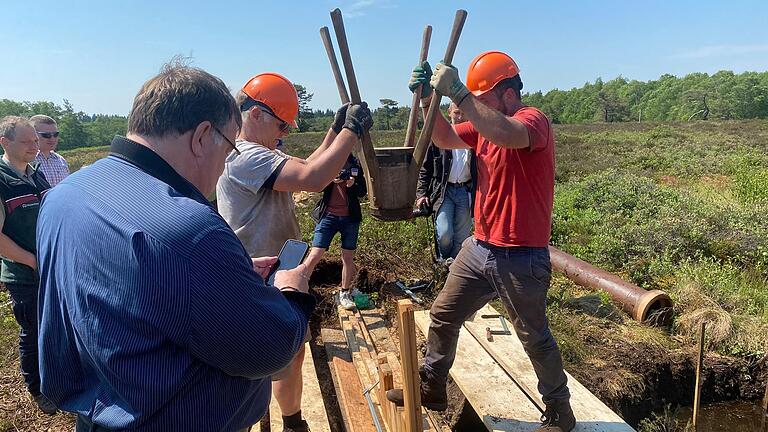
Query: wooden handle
point(326, 37)
point(434, 107)
point(413, 118)
point(346, 58)
point(370, 165)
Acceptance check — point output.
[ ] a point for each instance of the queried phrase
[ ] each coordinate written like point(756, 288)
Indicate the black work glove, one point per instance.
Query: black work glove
point(358, 119)
point(340, 118)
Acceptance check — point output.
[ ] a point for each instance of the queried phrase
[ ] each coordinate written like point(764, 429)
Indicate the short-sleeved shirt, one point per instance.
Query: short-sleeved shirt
point(515, 187)
point(262, 218)
point(54, 167)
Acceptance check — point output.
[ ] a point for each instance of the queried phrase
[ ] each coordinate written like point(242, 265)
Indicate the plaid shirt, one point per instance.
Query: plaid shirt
point(54, 167)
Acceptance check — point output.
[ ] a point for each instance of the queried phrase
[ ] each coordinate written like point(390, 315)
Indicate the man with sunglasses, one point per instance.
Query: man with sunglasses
point(53, 166)
point(254, 193)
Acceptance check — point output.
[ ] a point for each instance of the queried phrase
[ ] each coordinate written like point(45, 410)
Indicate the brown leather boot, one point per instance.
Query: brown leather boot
point(558, 417)
point(433, 395)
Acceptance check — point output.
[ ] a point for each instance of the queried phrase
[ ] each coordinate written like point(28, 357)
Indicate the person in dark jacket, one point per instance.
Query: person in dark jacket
point(22, 186)
point(446, 186)
point(338, 211)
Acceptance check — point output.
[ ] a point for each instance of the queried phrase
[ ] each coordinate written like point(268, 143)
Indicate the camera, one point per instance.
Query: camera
point(346, 174)
point(423, 210)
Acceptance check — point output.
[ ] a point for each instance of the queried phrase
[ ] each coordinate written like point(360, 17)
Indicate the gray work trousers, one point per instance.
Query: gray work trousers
point(520, 277)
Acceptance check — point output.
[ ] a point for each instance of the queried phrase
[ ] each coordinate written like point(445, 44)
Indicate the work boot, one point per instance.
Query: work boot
point(45, 404)
point(433, 395)
point(558, 417)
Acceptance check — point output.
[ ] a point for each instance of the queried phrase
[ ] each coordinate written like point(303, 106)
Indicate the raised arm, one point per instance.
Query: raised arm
point(316, 172)
point(443, 134)
point(489, 122)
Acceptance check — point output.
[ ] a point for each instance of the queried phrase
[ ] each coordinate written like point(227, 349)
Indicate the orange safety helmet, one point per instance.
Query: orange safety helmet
point(276, 92)
point(487, 69)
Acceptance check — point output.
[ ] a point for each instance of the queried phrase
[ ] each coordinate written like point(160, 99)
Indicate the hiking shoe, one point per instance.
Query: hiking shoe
point(45, 404)
point(304, 427)
point(345, 300)
point(433, 396)
point(558, 417)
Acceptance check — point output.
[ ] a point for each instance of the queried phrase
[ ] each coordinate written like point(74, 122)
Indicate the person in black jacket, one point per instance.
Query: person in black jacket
point(22, 186)
point(447, 187)
point(338, 211)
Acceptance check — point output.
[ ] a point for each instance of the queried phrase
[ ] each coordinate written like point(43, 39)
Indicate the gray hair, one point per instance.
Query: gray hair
point(178, 99)
point(8, 125)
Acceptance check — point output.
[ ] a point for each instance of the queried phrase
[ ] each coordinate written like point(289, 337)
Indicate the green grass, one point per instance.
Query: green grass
point(664, 205)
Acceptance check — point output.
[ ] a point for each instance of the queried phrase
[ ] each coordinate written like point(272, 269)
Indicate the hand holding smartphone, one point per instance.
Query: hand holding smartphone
point(291, 255)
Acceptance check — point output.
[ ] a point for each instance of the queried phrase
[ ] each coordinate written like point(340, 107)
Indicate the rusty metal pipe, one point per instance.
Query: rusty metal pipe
point(654, 307)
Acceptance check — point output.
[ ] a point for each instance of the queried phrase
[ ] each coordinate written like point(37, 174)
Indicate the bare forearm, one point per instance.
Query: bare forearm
point(14, 252)
point(314, 175)
point(493, 125)
point(443, 134)
point(329, 137)
point(328, 164)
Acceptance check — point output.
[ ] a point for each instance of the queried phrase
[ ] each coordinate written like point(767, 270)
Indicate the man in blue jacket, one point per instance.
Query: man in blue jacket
point(153, 317)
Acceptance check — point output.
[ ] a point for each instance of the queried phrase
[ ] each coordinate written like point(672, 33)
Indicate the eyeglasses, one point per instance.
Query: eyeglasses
point(48, 134)
point(250, 103)
point(283, 125)
point(234, 147)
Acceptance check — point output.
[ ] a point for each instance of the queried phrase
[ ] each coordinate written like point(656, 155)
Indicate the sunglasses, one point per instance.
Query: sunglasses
point(250, 103)
point(229, 141)
point(48, 134)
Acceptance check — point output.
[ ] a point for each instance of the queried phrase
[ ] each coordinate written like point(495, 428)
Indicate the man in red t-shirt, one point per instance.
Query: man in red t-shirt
point(507, 257)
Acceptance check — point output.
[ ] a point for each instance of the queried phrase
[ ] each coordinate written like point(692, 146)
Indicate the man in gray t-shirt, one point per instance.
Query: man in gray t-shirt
point(254, 193)
point(263, 218)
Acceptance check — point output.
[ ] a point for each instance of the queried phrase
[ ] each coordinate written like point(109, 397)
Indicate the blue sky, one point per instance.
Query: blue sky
point(97, 54)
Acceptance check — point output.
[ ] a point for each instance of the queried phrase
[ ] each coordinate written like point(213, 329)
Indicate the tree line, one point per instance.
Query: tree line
point(723, 95)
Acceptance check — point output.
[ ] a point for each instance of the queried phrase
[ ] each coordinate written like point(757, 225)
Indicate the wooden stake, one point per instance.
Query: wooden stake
point(413, 117)
point(699, 365)
point(369, 162)
point(411, 380)
point(765, 409)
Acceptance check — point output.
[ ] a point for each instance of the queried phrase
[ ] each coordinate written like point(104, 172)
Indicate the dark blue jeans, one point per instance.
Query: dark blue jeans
point(520, 277)
point(24, 298)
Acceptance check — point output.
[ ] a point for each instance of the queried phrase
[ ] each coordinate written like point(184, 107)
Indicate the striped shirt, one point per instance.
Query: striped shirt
point(54, 167)
point(151, 316)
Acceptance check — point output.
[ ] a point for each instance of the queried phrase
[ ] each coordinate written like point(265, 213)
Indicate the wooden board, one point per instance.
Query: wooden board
point(591, 414)
point(497, 400)
point(409, 363)
point(354, 409)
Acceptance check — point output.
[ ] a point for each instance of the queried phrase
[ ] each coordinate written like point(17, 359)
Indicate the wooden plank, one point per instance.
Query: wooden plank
point(497, 400)
point(354, 409)
point(376, 324)
point(312, 406)
point(410, 367)
point(362, 357)
point(591, 413)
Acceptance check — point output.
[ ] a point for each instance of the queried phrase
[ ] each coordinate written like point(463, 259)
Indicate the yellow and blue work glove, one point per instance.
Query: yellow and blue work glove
point(420, 77)
point(446, 81)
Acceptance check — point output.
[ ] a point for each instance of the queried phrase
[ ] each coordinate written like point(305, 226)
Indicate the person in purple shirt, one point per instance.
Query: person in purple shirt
point(152, 315)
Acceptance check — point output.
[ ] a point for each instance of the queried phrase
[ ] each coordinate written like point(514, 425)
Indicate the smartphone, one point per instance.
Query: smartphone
point(291, 255)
